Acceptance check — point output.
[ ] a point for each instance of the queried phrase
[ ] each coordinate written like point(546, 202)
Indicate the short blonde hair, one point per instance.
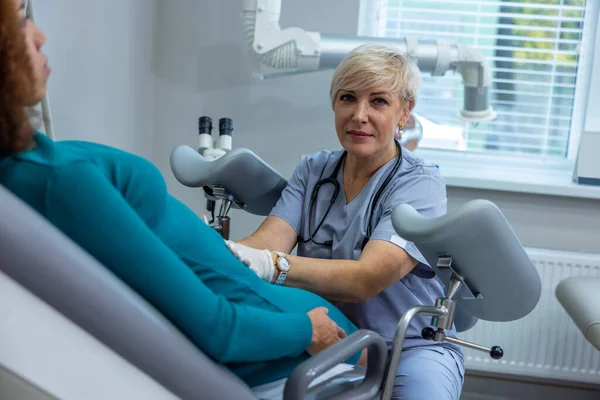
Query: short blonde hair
point(374, 65)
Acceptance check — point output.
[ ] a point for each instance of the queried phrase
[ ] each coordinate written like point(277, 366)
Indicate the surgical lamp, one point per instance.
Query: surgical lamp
point(294, 51)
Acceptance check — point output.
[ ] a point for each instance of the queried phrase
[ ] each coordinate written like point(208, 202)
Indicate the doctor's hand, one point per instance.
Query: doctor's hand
point(325, 331)
point(259, 261)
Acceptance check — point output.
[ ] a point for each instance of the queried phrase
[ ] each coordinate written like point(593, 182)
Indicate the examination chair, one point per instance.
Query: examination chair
point(579, 297)
point(116, 345)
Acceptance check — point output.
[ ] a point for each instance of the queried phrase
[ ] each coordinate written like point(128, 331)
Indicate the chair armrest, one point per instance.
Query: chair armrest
point(298, 383)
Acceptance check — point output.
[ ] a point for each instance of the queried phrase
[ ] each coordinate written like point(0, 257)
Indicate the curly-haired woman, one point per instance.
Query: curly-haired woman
point(115, 205)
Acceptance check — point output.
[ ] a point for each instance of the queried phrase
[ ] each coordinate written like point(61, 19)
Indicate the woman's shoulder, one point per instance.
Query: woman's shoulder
point(75, 159)
point(51, 154)
point(103, 156)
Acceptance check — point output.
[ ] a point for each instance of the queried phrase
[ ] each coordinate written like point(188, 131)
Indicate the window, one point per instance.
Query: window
point(533, 50)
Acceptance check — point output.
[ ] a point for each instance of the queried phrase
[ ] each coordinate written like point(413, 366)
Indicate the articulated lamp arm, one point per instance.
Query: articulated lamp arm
point(295, 51)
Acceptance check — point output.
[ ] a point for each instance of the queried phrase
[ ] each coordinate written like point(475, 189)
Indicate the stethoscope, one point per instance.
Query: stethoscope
point(336, 191)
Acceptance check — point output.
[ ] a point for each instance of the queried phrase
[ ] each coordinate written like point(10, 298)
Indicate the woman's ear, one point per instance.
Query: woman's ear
point(408, 106)
point(405, 117)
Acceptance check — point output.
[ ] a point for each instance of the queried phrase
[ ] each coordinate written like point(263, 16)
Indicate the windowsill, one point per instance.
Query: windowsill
point(485, 174)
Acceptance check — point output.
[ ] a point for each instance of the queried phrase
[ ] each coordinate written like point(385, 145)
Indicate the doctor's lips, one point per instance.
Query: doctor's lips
point(359, 134)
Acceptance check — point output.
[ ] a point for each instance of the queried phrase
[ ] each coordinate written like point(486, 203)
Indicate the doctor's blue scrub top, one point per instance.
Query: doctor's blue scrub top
point(416, 183)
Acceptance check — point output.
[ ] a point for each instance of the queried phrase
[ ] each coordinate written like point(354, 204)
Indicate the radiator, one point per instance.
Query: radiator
point(546, 343)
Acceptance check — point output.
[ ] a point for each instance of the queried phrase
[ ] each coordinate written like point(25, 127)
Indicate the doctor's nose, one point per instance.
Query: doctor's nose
point(360, 113)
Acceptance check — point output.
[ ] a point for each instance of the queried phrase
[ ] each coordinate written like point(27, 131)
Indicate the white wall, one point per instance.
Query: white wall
point(101, 88)
point(202, 69)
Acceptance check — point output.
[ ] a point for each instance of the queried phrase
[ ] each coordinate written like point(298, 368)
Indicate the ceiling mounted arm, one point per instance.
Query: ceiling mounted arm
point(293, 51)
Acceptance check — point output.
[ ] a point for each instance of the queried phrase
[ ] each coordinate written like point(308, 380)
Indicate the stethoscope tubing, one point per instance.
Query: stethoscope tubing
point(332, 178)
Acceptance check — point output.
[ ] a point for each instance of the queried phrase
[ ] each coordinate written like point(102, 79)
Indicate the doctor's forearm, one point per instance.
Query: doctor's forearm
point(273, 234)
point(335, 280)
point(255, 241)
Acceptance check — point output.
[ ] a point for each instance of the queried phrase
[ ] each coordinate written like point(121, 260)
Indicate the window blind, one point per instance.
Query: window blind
point(532, 50)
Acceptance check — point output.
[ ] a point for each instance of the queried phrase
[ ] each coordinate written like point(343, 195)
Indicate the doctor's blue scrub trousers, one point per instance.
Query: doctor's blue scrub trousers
point(425, 373)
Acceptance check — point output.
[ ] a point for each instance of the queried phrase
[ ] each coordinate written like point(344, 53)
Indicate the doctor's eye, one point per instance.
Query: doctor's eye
point(380, 101)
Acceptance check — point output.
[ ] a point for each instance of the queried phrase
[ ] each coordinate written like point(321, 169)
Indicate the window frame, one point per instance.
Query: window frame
point(517, 173)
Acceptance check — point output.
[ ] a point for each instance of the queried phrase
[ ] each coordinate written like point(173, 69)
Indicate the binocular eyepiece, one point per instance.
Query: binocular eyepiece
point(205, 126)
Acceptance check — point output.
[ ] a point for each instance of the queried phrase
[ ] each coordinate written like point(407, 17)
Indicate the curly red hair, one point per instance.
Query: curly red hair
point(16, 132)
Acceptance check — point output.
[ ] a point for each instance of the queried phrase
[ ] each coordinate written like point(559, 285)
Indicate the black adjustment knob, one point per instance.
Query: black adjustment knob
point(496, 352)
point(428, 333)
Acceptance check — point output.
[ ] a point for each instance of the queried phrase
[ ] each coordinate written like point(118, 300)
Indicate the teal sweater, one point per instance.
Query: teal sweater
point(115, 205)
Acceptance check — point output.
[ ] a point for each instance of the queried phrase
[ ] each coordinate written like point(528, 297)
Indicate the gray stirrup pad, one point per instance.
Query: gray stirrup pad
point(485, 252)
point(580, 297)
point(242, 173)
point(48, 264)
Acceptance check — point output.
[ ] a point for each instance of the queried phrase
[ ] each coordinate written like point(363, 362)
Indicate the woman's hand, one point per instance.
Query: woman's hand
point(259, 261)
point(362, 361)
point(325, 331)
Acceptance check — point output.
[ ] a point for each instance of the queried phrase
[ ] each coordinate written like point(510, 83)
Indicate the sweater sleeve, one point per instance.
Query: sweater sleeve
point(92, 212)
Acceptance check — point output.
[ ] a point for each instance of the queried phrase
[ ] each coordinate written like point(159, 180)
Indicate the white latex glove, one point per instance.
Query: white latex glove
point(259, 261)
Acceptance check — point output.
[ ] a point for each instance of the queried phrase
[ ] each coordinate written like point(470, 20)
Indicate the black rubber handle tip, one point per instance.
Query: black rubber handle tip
point(496, 352)
point(428, 333)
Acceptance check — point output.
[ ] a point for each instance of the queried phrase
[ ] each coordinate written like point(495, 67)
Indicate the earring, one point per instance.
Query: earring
point(399, 132)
